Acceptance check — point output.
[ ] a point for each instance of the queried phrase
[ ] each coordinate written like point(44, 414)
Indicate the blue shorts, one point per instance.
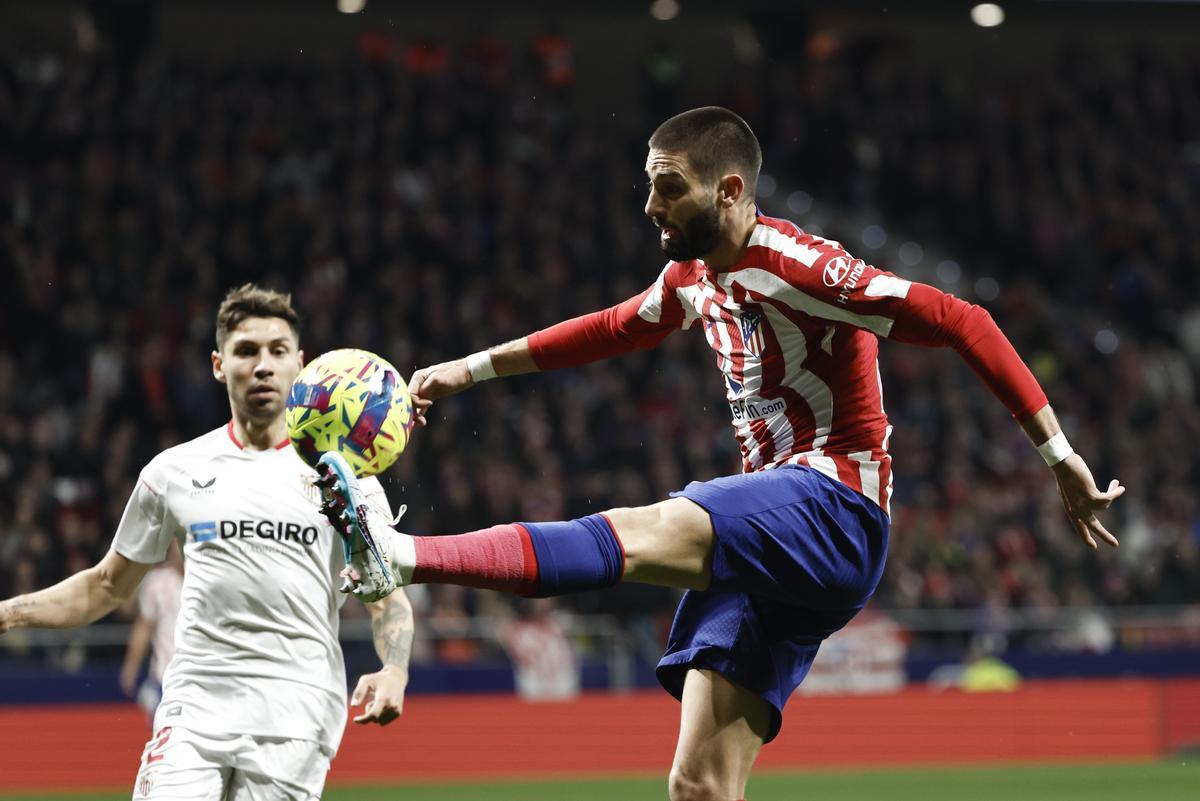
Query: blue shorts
point(796, 556)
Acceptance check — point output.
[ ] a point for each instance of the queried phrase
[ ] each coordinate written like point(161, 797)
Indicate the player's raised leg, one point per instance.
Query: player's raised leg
point(668, 543)
point(722, 728)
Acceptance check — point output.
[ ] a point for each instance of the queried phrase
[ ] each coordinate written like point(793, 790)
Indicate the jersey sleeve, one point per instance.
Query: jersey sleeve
point(639, 323)
point(146, 528)
point(840, 288)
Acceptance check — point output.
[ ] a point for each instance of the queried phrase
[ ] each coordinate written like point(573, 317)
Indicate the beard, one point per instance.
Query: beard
point(698, 237)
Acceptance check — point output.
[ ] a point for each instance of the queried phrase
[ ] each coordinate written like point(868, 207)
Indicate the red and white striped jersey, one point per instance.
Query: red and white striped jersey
point(795, 325)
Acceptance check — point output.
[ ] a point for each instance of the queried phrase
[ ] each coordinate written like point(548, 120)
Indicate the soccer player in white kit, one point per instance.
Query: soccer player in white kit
point(254, 700)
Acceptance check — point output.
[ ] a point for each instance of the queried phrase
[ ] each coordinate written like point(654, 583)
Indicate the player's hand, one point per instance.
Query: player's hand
point(1083, 499)
point(383, 694)
point(437, 381)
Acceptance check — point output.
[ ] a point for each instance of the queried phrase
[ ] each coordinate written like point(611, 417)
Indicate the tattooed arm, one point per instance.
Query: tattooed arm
point(76, 600)
point(383, 692)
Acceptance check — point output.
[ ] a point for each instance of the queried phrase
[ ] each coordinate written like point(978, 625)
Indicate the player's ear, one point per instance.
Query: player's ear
point(730, 190)
point(300, 358)
point(218, 367)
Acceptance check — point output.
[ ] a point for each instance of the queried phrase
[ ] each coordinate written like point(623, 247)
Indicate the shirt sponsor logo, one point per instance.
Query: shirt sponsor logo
point(203, 532)
point(836, 271)
point(279, 531)
point(859, 267)
point(744, 410)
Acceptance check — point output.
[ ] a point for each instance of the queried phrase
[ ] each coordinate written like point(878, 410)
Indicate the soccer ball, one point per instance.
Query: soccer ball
point(353, 402)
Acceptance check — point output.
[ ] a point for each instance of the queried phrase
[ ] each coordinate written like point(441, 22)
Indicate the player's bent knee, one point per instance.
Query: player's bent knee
point(687, 784)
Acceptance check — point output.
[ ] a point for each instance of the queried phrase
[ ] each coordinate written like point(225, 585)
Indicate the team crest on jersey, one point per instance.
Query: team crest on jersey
point(310, 490)
point(145, 784)
point(752, 335)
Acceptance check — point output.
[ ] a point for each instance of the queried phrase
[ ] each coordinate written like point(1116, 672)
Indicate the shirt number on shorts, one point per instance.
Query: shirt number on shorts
point(157, 744)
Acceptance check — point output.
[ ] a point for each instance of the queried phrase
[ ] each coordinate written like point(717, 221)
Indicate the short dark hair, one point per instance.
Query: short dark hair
point(251, 300)
point(715, 140)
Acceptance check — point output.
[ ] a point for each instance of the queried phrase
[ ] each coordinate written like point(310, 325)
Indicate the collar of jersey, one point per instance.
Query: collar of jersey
point(233, 438)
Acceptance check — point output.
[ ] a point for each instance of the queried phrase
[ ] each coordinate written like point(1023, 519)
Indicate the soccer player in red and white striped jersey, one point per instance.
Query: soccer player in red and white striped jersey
point(781, 556)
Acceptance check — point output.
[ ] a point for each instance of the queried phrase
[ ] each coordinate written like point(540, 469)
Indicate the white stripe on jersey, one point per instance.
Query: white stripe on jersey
point(768, 237)
point(652, 305)
point(868, 473)
point(887, 493)
point(771, 285)
point(888, 286)
point(824, 465)
point(688, 300)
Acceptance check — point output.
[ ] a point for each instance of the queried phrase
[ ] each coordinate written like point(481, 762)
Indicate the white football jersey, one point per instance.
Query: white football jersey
point(256, 646)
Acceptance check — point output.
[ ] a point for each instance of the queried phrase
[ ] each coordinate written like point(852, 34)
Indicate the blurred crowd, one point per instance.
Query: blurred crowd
point(427, 201)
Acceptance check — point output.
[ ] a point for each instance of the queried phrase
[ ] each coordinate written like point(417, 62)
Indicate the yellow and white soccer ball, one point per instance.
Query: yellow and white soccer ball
point(353, 402)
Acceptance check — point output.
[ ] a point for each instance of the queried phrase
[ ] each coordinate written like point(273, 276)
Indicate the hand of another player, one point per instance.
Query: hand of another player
point(437, 381)
point(1083, 499)
point(127, 678)
point(383, 694)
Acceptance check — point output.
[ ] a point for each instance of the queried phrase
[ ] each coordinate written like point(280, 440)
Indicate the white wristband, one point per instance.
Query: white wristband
point(1055, 449)
point(479, 365)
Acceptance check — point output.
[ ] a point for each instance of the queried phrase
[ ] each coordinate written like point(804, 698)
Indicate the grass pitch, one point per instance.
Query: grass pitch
point(1164, 781)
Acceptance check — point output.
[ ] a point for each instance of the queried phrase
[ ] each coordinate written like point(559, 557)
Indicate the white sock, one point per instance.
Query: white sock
point(403, 556)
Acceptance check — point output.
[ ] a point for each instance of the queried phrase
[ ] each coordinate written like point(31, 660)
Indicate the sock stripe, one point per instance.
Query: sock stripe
point(529, 561)
point(576, 555)
point(620, 544)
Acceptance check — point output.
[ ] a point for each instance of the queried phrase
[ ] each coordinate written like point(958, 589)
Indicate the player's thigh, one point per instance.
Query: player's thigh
point(668, 543)
point(276, 769)
point(179, 766)
point(722, 728)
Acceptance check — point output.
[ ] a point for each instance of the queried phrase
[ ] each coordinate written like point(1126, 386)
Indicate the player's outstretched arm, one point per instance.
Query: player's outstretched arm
point(383, 692)
point(1078, 490)
point(924, 315)
point(439, 380)
point(78, 600)
point(572, 343)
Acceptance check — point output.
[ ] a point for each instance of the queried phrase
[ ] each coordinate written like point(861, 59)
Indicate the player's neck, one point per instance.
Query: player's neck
point(255, 435)
point(734, 241)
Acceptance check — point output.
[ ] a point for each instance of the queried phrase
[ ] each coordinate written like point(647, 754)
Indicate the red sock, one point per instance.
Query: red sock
point(496, 558)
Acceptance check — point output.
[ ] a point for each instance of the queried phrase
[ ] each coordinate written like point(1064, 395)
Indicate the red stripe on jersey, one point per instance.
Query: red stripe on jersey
point(848, 472)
